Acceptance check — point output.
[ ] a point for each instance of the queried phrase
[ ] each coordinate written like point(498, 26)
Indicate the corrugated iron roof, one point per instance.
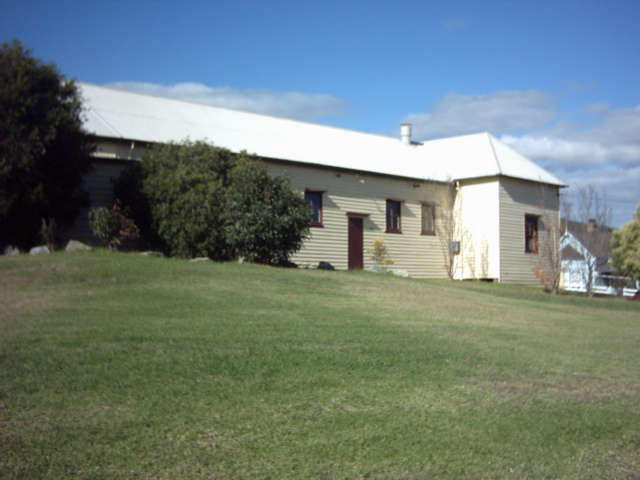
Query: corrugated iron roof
point(115, 113)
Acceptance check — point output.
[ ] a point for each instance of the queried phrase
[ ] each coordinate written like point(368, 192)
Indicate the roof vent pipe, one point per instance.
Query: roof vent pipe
point(405, 133)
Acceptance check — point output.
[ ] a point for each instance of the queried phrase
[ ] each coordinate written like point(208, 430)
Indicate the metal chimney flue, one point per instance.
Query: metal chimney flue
point(405, 133)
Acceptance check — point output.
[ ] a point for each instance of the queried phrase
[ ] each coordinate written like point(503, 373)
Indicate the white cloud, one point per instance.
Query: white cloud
point(574, 154)
point(296, 105)
point(618, 126)
point(596, 145)
point(609, 137)
point(596, 108)
point(506, 111)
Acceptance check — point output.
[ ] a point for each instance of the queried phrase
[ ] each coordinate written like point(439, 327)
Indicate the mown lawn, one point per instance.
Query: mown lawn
point(122, 366)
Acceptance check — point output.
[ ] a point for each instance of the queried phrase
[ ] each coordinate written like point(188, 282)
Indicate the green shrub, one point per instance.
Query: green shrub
point(128, 189)
point(625, 247)
point(185, 184)
point(266, 221)
point(207, 201)
point(112, 226)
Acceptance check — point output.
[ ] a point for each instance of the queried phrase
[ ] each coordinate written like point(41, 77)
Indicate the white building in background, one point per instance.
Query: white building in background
point(586, 258)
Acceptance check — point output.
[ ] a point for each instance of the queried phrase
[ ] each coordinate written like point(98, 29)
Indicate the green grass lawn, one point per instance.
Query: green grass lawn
point(122, 366)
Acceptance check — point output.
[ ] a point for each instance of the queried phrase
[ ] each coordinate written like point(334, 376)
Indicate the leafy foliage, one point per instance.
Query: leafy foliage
point(112, 225)
point(380, 253)
point(127, 188)
point(625, 247)
point(207, 201)
point(44, 153)
point(266, 220)
point(185, 184)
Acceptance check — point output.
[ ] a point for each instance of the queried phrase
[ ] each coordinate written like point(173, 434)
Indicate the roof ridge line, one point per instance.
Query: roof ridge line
point(495, 154)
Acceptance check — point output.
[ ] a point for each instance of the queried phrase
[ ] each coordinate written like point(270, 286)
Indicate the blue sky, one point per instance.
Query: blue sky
point(559, 81)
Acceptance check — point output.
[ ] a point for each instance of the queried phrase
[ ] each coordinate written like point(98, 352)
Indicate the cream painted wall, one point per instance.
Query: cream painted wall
point(518, 198)
point(480, 214)
point(420, 255)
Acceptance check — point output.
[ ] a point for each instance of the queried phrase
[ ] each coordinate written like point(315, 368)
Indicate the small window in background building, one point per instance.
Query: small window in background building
point(314, 198)
point(531, 233)
point(428, 218)
point(394, 224)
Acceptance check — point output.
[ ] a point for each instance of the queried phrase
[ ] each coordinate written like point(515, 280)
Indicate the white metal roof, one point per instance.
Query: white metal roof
point(114, 113)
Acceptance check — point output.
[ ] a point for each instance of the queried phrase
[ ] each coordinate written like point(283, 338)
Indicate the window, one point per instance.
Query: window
point(314, 198)
point(394, 224)
point(576, 277)
point(428, 218)
point(531, 233)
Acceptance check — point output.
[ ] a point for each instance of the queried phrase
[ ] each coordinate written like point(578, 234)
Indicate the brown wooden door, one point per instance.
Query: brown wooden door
point(355, 243)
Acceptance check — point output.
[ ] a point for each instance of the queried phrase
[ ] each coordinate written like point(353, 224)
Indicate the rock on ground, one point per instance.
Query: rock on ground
point(75, 245)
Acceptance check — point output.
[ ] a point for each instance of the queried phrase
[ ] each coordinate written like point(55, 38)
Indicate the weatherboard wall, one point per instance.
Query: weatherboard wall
point(347, 192)
point(517, 199)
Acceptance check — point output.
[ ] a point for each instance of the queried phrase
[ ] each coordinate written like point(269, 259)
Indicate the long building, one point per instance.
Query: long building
point(469, 205)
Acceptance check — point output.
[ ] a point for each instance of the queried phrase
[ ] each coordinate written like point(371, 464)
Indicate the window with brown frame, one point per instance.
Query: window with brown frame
point(428, 218)
point(394, 215)
point(531, 233)
point(314, 198)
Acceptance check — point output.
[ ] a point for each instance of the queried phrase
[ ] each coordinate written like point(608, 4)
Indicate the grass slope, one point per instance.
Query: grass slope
point(121, 366)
